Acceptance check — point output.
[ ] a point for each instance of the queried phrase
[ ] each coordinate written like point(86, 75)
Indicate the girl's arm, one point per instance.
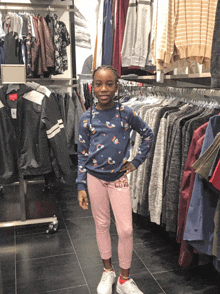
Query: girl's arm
point(83, 149)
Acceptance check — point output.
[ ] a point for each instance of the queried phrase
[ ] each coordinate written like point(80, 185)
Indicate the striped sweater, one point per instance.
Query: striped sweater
point(195, 22)
point(183, 29)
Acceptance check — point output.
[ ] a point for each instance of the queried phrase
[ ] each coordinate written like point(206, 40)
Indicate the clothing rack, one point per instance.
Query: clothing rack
point(35, 7)
point(202, 79)
point(188, 92)
point(52, 82)
point(24, 221)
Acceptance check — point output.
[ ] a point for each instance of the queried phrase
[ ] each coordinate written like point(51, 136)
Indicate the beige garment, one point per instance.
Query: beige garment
point(195, 20)
point(203, 165)
point(162, 45)
point(182, 30)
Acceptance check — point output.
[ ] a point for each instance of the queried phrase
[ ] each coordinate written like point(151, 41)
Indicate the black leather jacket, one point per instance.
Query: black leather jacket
point(32, 136)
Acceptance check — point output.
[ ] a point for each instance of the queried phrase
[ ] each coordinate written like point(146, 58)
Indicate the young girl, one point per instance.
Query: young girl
point(103, 152)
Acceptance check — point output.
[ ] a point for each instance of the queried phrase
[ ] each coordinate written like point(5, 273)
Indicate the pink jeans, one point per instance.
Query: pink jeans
point(118, 194)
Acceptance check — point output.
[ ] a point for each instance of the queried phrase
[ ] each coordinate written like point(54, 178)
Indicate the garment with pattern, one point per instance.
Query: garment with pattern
point(106, 148)
point(61, 41)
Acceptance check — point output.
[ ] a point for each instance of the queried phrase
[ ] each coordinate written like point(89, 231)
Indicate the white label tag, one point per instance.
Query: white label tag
point(14, 113)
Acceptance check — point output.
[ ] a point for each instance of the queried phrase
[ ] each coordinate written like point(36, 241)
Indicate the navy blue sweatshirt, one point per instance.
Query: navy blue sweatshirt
point(105, 149)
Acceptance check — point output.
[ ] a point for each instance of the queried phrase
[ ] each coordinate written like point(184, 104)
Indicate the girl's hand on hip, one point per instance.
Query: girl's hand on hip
point(83, 199)
point(128, 167)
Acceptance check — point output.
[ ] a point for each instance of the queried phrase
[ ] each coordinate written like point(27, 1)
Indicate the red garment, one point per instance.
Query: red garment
point(43, 48)
point(215, 179)
point(186, 192)
point(121, 13)
point(46, 45)
point(35, 50)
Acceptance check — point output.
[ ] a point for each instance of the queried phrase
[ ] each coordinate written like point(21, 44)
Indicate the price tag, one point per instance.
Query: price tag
point(14, 113)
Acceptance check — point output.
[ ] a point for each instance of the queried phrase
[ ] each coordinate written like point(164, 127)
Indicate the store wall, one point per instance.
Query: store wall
point(88, 9)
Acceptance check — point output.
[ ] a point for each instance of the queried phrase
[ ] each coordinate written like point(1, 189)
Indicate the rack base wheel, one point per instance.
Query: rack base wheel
point(52, 227)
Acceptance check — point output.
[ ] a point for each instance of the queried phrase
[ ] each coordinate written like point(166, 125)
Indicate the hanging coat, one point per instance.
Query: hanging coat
point(199, 229)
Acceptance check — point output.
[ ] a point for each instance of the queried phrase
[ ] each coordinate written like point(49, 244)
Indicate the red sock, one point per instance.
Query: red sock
point(123, 281)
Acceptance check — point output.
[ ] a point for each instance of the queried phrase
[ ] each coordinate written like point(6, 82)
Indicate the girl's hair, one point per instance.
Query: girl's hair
point(105, 67)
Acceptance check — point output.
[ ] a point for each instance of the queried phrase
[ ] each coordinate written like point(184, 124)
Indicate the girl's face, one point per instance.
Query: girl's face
point(104, 86)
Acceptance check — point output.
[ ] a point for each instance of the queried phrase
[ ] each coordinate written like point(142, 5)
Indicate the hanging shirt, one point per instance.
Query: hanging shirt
point(121, 13)
point(2, 33)
point(99, 34)
point(135, 48)
point(199, 224)
point(105, 149)
point(107, 34)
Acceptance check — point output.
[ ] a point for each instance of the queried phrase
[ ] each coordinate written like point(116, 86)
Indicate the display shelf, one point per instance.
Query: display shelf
point(203, 79)
point(35, 7)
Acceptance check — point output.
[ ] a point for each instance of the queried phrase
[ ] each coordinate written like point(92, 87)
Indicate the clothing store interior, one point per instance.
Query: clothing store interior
point(167, 57)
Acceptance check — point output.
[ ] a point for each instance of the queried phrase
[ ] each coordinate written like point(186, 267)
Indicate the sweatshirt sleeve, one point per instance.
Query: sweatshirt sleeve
point(83, 147)
point(147, 138)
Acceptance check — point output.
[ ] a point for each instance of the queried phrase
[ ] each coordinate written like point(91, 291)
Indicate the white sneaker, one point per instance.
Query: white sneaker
point(107, 280)
point(129, 287)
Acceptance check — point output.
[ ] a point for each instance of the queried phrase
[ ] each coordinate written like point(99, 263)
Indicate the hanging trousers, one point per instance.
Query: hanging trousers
point(101, 194)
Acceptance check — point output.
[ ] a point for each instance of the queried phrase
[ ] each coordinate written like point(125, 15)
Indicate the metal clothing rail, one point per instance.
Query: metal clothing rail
point(187, 92)
point(52, 82)
point(35, 7)
point(167, 77)
point(165, 89)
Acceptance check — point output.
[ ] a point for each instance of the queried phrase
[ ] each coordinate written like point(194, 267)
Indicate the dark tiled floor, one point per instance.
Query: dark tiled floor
point(68, 261)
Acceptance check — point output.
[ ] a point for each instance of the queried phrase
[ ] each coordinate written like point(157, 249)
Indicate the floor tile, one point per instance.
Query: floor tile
point(198, 280)
point(142, 277)
point(146, 283)
point(89, 255)
point(47, 274)
point(73, 210)
point(75, 290)
point(7, 255)
point(84, 228)
point(157, 258)
point(40, 263)
point(7, 264)
point(8, 286)
point(42, 245)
